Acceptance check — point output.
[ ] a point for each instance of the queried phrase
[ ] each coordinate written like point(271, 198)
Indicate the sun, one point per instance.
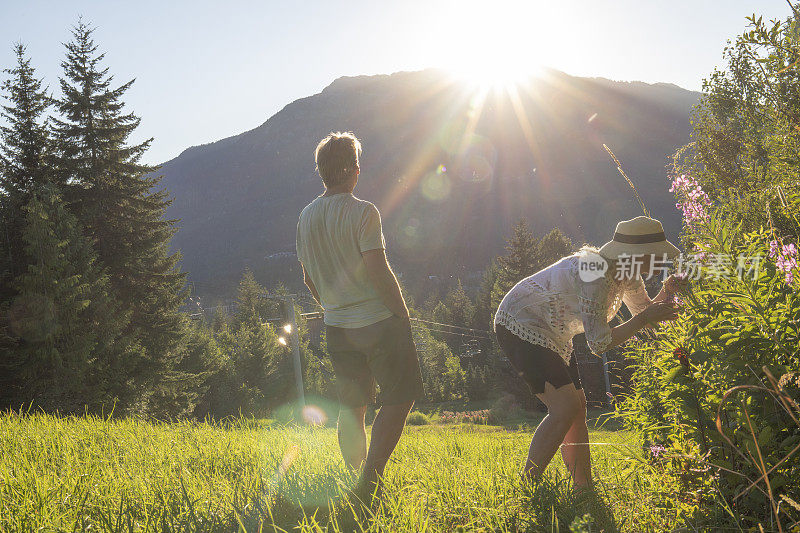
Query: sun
point(494, 46)
point(496, 72)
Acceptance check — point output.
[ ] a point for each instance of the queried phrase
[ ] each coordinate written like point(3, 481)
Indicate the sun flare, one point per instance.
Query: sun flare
point(497, 45)
point(497, 73)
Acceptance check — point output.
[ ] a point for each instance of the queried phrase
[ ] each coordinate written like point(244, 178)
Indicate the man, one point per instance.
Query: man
point(341, 248)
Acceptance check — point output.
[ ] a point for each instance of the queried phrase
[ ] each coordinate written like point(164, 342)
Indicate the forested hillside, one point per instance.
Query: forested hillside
point(451, 166)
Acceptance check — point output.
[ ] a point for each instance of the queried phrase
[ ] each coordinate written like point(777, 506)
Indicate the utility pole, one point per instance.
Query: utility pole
point(294, 338)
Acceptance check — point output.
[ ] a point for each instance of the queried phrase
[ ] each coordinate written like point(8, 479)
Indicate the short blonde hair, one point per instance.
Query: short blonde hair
point(337, 157)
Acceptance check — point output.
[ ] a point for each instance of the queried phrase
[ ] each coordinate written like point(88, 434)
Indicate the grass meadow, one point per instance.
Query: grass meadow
point(95, 474)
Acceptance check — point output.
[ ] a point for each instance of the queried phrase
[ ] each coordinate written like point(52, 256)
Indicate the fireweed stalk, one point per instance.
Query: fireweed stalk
point(785, 256)
point(692, 199)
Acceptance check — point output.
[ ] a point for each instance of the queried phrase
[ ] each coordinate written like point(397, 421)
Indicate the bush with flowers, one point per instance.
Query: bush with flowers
point(464, 417)
point(723, 379)
point(740, 324)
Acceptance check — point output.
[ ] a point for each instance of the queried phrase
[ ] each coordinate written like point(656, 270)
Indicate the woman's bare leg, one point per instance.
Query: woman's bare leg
point(575, 450)
point(563, 407)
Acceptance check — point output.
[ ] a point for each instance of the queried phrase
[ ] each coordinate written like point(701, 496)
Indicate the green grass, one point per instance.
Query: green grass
point(76, 474)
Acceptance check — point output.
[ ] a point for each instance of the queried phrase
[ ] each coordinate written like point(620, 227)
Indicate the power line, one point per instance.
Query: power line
point(452, 326)
point(456, 333)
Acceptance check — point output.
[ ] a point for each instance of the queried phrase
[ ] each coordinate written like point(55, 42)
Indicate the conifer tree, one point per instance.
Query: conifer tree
point(26, 138)
point(261, 373)
point(526, 255)
point(484, 312)
point(518, 263)
point(462, 312)
point(117, 200)
point(521, 256)
point(23, 159)
point(551, 248)
point(62, 320)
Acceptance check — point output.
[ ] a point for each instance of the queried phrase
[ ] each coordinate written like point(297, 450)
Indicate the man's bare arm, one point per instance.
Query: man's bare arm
point(310, 284)
point(384, 281)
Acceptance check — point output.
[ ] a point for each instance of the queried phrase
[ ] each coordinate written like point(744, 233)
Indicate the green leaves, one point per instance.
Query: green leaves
point(673, 375)
point(732, 328)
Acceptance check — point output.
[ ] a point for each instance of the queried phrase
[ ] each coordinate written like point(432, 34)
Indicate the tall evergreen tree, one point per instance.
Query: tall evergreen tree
point(526, 255)
point(62, 321)
point(484, 313)
point(26, 137)
point(551, 248)
point(518, 263)
point(462, 312)
point(251, 301)
point(23, 159)
point(261, 378)
point(118, 202)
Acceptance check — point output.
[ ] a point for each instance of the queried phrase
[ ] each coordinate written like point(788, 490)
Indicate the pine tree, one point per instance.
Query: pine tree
point(462, 312)
point(527, 255)
point(62, 320)
point(117, 200)
point(23, 160)
point(261, 373)
point(519, 262)
point(521, 258)
point(484, 312)
point(551, 248)
point(26, 138)
point(252, 303)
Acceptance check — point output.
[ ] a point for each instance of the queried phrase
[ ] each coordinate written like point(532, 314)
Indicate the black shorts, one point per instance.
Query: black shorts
point(536, 364)
point(383, 352)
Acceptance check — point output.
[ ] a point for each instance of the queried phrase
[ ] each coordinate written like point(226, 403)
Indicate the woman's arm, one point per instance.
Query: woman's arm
point(655, 312)
point(671, 286)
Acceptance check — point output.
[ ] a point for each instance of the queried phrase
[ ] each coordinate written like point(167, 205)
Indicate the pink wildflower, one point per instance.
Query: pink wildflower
point(786, 259)
point(657, 450)
point(693, 200)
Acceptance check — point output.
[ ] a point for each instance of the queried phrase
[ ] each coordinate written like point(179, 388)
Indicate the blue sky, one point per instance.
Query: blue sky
point(207, 70)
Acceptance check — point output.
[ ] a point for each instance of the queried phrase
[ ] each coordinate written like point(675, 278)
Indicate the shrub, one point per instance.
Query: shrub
point(504, 409)
point(734, 331)
point(417, 418)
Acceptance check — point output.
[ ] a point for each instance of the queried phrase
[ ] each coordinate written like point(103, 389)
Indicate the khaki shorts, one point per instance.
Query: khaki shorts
point(382, 353)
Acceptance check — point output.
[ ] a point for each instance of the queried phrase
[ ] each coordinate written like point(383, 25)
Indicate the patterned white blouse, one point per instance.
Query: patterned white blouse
point(553, 305)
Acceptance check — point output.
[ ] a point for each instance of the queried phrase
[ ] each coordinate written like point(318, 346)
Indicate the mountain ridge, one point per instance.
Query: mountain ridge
point(537, 154)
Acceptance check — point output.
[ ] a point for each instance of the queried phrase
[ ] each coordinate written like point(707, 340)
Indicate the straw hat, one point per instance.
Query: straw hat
point(639, 236)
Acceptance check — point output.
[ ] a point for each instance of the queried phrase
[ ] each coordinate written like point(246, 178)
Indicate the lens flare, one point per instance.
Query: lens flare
point(282, 340)
point(314, 415)
point(291, 455)
point(410, 235)
point(436, 186)
point(287, 328)
point(412, 227)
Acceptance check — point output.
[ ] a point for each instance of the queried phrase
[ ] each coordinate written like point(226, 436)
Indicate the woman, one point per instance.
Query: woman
point(537, 319)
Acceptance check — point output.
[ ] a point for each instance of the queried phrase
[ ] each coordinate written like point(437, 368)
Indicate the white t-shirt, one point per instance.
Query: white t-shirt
point(552, 306)
point(332, 233)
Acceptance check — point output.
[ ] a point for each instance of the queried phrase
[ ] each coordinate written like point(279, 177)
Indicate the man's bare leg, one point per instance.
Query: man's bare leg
point(575, 450)
point(386, 431)
point(563, 407)
point(352, 435)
